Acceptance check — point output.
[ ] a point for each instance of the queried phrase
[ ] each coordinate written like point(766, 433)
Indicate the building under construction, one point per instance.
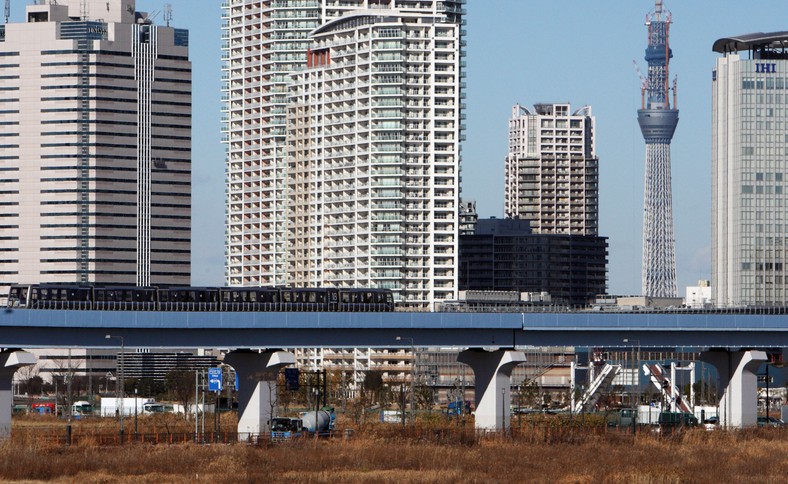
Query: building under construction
point(658, 122)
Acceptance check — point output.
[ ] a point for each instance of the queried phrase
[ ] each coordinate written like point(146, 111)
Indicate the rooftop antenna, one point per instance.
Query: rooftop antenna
point(168, 13)
point(84, 9)
point(7, 10)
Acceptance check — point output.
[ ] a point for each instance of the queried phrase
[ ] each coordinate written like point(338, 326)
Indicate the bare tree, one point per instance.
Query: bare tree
point(65, 368)
point(180, 383)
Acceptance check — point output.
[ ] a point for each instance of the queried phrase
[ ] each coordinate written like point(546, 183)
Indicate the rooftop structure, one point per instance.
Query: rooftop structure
point(772, 45)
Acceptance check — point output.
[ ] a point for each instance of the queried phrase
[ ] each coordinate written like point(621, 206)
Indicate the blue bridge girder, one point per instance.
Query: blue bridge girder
point(27, 328)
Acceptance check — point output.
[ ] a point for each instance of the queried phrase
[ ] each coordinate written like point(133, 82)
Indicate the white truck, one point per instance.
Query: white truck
point(111, 407)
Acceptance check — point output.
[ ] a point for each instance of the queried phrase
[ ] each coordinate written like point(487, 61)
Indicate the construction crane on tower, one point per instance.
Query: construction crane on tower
point(643, 84)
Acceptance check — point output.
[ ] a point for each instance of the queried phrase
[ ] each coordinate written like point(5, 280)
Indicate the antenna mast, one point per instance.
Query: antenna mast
point(7, 10)
point(168, 14)
point(84, 9)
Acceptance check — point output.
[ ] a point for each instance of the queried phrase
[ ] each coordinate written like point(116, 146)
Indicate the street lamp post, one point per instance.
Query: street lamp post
point(135, 413)
point(120, 377)
point(636, 377)
point(412, 377)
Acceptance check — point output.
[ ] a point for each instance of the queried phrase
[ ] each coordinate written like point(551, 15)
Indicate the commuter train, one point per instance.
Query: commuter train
point(165, 298)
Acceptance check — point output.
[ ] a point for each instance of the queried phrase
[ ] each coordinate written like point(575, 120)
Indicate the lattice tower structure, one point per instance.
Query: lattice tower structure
point(658, 122)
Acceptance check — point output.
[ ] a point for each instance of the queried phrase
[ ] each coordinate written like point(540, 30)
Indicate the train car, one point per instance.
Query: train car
point(59, 296)
point(18, 295)
point(366, 300)
point(125, 298)
point(308, 299)
point(189, 298)
point(133, 298)
point(249, 299)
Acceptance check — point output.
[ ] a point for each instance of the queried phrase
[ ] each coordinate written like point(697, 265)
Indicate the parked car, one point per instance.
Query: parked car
point(770, 422)
point(711, 423)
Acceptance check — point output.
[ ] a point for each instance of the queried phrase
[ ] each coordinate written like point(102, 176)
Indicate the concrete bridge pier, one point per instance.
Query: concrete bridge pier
point(10, 362)
point(493, 376)
point(738, 371)
point(257, 395)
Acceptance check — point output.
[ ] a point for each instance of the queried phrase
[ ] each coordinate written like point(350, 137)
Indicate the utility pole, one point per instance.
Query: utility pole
point(196, 400)
point(135, 413)
point(635, 382)
point(120, 364)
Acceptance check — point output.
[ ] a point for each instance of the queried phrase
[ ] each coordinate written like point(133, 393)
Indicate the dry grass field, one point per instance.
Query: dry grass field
point(432, 452)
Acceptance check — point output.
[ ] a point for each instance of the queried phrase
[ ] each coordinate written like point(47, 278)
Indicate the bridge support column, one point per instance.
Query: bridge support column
point(10, 362)
point(493, 375)
point(257, 396)
point(739, 385)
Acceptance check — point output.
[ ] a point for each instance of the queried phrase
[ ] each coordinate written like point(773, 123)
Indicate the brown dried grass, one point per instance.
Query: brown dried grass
point(542, 451)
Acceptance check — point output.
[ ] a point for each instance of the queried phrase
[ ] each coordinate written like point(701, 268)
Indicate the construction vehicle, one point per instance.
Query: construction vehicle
point(308, 424)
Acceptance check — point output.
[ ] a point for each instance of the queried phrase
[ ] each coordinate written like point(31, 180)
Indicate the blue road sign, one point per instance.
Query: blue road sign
point(291, 379)
point(214, 379)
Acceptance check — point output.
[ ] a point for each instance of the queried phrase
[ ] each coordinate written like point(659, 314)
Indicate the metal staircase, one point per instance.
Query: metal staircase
point(597, 388)
point(669, 391)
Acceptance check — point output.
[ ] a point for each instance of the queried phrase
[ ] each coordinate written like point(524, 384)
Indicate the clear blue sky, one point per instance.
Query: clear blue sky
point(531, 51)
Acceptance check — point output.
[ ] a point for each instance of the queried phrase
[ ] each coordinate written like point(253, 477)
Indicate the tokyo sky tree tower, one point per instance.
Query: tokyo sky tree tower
point(657, 123)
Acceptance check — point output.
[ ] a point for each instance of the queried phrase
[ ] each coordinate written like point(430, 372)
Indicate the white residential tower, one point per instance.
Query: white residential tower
point(343, 133)
point(552, 170)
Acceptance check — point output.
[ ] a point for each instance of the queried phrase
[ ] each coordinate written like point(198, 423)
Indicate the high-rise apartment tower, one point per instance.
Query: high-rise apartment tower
point(343, 131)
point(750, 170)
point(95, 130)
point(658, 122)
point(552, 171)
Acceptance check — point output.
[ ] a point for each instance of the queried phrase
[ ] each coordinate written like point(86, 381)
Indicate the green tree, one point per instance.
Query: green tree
point(33, 386)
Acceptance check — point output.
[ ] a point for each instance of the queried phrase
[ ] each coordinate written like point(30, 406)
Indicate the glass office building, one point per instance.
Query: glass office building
point(749, 170)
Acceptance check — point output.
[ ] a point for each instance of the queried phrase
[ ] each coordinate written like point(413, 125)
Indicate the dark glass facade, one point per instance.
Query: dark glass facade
point(505, 255)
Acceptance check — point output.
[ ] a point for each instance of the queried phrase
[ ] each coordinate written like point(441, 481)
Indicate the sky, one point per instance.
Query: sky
point(527, 52)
